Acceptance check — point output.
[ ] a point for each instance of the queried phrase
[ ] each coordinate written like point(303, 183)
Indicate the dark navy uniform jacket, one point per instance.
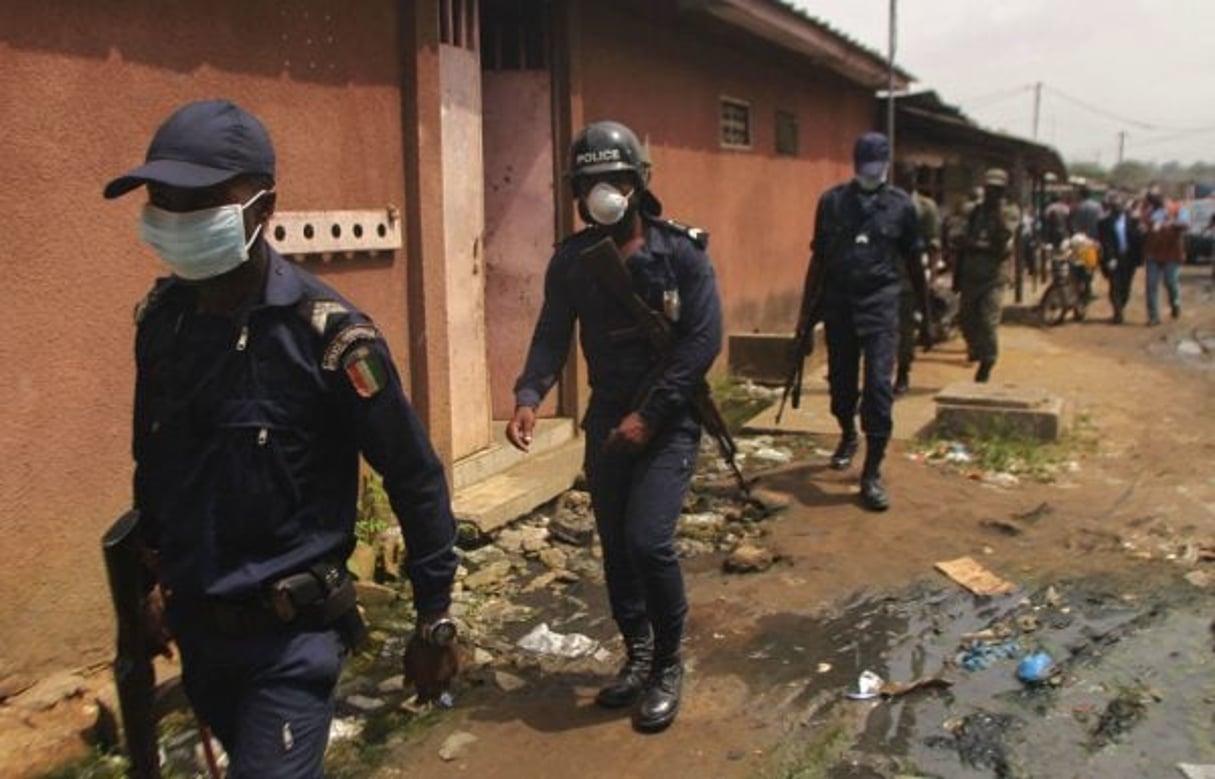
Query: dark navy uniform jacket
point(860, 241)
point(670, 261)
point(247, 437)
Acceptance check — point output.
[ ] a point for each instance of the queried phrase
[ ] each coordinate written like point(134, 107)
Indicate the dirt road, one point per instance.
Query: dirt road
point(1142, 488)
point(1100, 557)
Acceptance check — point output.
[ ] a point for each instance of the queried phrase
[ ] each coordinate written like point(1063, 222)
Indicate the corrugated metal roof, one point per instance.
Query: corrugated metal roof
point(786, 25)
point(843, 36)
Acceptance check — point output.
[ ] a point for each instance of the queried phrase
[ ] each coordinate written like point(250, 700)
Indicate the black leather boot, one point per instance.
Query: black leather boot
point(984, 371)
point(841, 458)
point(632, 678)
point(660, 701)
point(873, 491)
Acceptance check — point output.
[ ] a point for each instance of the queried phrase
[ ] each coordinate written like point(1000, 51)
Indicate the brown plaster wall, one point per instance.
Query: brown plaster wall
point(83, 85)
point(663, 73)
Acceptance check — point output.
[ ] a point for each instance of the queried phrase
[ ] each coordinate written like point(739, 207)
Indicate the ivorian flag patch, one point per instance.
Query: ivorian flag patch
point(365, 371)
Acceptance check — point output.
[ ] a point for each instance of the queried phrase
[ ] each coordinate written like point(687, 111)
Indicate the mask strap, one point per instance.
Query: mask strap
point(256, 230)
point(255, 198)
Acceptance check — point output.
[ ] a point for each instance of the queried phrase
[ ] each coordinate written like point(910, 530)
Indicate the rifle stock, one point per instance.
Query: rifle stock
point(134, 675)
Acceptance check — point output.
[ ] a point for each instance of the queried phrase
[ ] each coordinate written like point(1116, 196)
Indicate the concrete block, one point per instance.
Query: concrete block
point(764, 357)
point(1004, 409)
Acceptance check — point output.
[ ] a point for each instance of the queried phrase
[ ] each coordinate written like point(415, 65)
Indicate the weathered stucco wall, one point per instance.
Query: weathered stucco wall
point(83, 85)
point(663, 74)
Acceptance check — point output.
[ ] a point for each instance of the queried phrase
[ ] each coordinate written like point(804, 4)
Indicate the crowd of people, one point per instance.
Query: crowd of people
point(1128, 231)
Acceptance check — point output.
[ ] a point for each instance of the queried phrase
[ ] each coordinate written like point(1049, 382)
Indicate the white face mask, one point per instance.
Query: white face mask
point(202, 244)
point(606, 204)
point(870, 183)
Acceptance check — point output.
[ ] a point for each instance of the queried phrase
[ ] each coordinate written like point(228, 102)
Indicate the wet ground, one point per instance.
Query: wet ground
point(1131, 689)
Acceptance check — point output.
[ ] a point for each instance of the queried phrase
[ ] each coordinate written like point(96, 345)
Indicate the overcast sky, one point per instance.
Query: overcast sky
point(1144, 67)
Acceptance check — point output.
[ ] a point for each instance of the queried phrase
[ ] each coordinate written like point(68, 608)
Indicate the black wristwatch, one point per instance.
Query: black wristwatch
point(440, 632)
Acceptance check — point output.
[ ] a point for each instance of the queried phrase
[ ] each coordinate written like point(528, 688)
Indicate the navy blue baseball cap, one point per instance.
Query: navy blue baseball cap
point(200, 145)
point(871, 154)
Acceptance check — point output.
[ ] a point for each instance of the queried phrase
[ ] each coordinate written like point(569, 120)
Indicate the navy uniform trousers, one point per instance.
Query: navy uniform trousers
point(637, 499)
point(845, 350)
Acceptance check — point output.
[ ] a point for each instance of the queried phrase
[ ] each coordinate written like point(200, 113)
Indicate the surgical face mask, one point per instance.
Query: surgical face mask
point(870, 183)
point(203, 244)
point(606, 204)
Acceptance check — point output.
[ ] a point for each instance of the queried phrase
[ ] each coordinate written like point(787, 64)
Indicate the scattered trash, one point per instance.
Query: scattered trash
point(957, 453)
point(1036, 667)
point(979, 655)
point(899, 689)
point(543, 641)
point(823, 668)
point(1191, 771)
point(868, 685)
point(1033, 515)
point(1001, 527)
point(974, 577)
point(774, 455)
point(1000, 479)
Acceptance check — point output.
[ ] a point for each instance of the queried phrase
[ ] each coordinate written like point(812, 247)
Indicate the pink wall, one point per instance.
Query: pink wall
point(83, 88)
point(518, 221)
point(757, 206)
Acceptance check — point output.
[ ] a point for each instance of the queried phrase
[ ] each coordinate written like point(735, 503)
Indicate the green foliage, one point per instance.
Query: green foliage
point(374, 511)
point(1002, 449)
point(735, 403)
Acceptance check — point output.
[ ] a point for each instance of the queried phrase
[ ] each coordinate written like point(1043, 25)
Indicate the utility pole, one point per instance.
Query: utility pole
point(890, 85)
point(1037, 106)
point(1121, 145)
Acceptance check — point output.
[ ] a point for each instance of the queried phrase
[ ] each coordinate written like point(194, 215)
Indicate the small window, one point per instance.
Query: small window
point(786, 133)
point(735, 124)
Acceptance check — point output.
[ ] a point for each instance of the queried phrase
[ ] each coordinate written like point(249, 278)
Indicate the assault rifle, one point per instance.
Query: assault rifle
point(605, 263)
point(133, 672)
point(803, 341)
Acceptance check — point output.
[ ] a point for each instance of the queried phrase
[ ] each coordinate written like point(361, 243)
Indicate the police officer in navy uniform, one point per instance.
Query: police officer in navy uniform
point(257, 389)
point(863, 231)
point(641, 441)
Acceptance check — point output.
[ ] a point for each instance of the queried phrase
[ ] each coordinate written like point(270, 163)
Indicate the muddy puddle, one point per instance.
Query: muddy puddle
point(1129, 691)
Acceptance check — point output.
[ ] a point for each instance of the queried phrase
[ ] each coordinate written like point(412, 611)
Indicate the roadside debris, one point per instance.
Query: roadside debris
point(544, 641)
point(749, 558)
point(974, 577)
point(868, 686)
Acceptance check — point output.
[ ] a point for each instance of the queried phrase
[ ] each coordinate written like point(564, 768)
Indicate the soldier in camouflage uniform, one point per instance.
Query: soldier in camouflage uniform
point(982, 272)
point(928, 219)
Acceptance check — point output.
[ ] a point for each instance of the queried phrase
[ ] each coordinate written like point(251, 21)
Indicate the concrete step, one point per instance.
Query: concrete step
point(500, 455)
point(533, 480)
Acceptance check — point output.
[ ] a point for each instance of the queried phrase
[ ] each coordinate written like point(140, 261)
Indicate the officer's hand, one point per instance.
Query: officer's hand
point(155, 627)
point(429, 668)
point(519, 428)
point(631, 435)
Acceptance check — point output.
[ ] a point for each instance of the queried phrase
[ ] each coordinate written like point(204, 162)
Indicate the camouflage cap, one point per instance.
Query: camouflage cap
point(995, 177)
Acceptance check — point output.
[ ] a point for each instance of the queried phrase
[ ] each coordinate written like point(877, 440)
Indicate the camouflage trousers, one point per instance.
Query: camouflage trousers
point(979, 312)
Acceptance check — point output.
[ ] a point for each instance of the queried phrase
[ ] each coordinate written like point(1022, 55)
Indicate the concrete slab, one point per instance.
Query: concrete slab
point(532, 481)
point(764, 357)
point(1000, 408)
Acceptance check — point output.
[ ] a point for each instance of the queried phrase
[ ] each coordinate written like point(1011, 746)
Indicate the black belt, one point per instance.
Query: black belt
point(315, 599)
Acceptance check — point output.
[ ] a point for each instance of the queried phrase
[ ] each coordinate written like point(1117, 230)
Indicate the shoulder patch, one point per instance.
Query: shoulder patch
point(365, 370)
point(694, 234)
point(342, 342)
point(319, 312)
